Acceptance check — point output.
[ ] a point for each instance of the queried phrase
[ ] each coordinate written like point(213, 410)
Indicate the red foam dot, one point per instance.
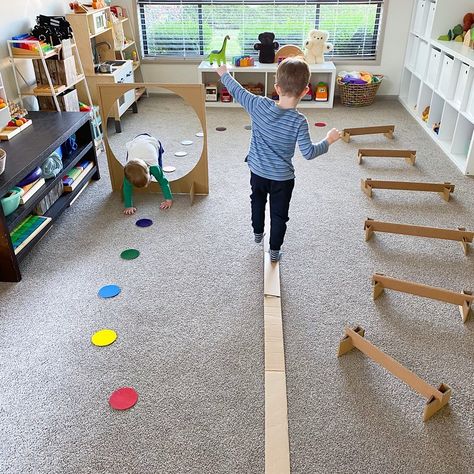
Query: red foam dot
point(320, 124)
point(123, 398)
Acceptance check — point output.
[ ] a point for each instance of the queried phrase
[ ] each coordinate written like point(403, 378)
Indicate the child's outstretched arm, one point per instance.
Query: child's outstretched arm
point(127, 197)
point(311, 150)
point(245, 98)
point(157, 172)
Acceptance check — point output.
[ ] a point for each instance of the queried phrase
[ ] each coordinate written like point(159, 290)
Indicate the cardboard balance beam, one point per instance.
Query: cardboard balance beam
point(463, 300)
point(436, 398)
point(387, 130)
point(445, 189)
point(408, 155)
point(277, 445)
point(461, 235)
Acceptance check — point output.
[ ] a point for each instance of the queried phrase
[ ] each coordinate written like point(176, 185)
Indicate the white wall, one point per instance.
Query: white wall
point(19, 18)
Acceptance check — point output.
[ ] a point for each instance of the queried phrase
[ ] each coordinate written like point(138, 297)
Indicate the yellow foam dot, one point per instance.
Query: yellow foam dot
point(104, 337)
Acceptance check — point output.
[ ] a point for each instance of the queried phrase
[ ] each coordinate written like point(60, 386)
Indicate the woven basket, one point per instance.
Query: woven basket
point(358, 95)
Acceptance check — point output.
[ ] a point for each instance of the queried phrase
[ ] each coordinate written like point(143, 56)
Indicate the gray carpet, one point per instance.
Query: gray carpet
point(189, 320)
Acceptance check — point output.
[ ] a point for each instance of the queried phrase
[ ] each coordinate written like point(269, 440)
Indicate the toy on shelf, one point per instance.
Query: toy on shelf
point(461, 33)
point(211, 93)
point(436, 126)
point(322, 92)
point(257, 89)
point(274, 95)
point(309, 95)
point(469, 38)
point(426, 114)
point(84, 108)
point(23, 234)
point(17, 123)
point(3, 104)
point(225, 96)
point(287, 51)
point(219, 55)
point(243, 61)
point(266, 47)
point(29, 45)
point(77, 7)
point(316, 45)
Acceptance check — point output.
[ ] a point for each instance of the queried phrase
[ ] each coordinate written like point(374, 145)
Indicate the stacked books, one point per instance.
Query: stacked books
point(31, 189)
point(76, 175)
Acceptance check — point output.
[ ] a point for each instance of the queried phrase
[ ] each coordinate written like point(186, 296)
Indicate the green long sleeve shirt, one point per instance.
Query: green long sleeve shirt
point(155, 171)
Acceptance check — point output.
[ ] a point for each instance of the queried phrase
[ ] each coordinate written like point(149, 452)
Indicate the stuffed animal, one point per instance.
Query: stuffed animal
point(468, 21)
point(316, 45)
point(266, 47)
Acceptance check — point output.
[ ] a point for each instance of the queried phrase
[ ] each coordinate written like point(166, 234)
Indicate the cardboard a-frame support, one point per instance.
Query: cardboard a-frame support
point(437, 398)
point(463, 300)
point(461, 235)
point(445, 189)
point(387, 130)
point(277, 446)
point(197, 180)
point(408, 155)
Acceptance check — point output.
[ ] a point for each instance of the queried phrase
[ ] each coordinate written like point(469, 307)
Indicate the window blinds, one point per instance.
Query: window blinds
point(191, 29)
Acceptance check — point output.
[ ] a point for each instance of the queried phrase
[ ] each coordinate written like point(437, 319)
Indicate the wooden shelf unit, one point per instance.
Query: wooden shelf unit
point(28, 151)
point(440, 74)
point(265, 74)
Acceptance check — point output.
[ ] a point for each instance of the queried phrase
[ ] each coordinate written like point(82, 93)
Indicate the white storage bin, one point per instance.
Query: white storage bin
point(430, 19)
point(434, 68)
point(405, 85)
point(414, 52)
point(449, 76)
point(462, 137)
point(461, 85)
point(421, 17)
point(448, 124)
point(414, 92)
point(470, 104)
point(422, 58)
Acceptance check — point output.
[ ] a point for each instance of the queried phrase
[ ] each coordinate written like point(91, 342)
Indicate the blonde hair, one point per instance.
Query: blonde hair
point(293, 76)
point(136, 171)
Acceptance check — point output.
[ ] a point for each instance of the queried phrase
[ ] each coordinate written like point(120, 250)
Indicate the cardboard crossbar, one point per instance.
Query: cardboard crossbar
point(437, 398)
point(460, 235)
point(277, 445)
point(463, 300)
point(196, 182)
point(408, 155)
point(387, 130)
point(445, 189)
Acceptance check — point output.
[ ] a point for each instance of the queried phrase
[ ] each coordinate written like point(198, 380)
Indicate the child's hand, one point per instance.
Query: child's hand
point(333, 136)
point(166, 204)
point(221, 70)
point(128, 211)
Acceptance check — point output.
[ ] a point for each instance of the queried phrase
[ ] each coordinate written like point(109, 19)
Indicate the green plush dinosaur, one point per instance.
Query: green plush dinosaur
point(219, 56)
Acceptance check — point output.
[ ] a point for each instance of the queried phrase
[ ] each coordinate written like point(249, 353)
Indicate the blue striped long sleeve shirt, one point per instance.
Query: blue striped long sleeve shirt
point(275, 132)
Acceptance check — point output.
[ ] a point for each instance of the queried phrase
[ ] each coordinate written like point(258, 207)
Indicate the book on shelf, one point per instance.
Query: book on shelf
point(32, 190)
point(27, 230)
point(70, 183)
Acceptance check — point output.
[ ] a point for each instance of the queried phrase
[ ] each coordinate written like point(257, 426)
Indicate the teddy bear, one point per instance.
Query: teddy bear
point(316, 45)
point(267, 47)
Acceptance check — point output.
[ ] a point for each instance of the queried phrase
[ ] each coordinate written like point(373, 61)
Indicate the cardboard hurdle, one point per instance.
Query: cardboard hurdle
point(461, 235)
point(387, 130)
point(445, 189)
point(437, 398)
point(463, 300)
point(408, 155)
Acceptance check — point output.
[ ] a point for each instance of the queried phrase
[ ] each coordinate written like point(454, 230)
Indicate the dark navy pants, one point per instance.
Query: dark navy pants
point(280, 197)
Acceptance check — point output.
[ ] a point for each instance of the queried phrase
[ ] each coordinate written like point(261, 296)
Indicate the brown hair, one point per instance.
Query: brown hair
point(137, 173)
point(293, 76)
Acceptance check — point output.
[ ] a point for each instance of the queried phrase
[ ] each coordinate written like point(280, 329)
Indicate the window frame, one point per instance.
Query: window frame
point(191, 60)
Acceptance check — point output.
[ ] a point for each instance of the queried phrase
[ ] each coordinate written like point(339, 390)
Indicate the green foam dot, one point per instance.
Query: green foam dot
point(130, 254)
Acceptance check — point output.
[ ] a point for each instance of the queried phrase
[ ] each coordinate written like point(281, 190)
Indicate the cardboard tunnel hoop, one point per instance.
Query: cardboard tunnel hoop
point(194, 182)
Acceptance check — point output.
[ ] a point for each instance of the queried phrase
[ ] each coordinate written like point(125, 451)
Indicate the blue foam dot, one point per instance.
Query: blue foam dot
point(109, 291)
point(144, 222)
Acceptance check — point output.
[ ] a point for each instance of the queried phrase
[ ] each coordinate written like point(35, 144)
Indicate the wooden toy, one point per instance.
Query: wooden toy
point(445, 189)
point(437, 398)
point(408, 155)
point(387, 130)
point(461, 235)
point(277, 447)
point(287, 51)
point(24, 233)
point(219, 55)
point(194, 182)
point(243, 61)
point(211, 93)
point(463, 300)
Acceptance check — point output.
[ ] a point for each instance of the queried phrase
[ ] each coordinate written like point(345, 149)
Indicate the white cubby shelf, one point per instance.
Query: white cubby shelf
point(440, 75)
point(265, 74)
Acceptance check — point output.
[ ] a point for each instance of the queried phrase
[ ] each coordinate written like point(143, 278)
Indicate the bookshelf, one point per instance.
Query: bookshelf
point(440, 75)
point(49, 130)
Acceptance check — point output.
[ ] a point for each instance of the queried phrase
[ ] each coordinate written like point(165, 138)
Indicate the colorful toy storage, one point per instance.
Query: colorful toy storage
point(437, 85)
